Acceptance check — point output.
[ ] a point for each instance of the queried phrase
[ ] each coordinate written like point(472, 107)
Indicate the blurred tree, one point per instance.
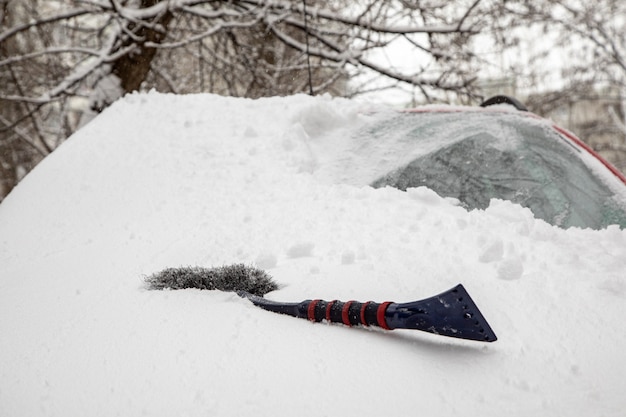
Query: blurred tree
point(21, 137)
point(579, 69)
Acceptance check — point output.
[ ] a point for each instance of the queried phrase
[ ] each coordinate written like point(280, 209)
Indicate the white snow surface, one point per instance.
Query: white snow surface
point(161, 181)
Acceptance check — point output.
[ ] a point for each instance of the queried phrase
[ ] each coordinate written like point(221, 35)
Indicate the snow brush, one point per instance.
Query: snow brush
point(452, 313)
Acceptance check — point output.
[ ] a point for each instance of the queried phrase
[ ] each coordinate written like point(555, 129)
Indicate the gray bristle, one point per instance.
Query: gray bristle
point(237, 277)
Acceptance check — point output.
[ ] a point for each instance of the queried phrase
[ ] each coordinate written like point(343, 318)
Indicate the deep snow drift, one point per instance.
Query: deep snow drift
point(164, 180)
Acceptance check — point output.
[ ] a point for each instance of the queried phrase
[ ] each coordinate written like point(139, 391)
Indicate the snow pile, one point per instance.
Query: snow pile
point(161, 181)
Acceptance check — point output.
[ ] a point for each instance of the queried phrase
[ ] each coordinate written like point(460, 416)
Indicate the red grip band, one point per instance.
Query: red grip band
point(328, 307)
point(311, 310)
point(344, 313)
point(380, 315)
point(363, 307)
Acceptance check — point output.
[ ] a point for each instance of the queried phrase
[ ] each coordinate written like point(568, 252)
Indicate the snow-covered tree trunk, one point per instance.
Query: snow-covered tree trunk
point(126, 73)
point(132, 68)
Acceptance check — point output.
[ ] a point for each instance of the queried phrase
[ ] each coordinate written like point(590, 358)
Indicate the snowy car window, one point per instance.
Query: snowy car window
point(475, 157)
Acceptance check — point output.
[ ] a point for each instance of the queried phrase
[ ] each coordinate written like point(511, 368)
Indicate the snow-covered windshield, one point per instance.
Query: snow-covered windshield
point(477, 156)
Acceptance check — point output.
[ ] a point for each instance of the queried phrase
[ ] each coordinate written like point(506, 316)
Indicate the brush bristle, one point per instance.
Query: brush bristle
point(237, 277)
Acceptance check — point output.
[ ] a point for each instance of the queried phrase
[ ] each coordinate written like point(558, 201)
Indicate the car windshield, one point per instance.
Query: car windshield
point(477, 156)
